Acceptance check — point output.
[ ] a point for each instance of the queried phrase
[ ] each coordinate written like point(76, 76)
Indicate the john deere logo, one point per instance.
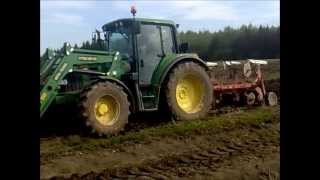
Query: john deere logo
point(87, 58)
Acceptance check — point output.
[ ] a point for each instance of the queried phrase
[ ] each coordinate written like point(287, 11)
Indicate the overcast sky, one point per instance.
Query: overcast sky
point(74, 21)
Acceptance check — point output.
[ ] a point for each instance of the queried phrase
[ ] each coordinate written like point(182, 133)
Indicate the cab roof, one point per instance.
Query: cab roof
point(146, 20)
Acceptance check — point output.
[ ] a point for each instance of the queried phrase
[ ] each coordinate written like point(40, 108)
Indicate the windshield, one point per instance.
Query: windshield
point(120, 39)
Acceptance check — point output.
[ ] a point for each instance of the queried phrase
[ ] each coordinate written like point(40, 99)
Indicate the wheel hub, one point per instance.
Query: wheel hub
point(182, 93)
point(103, 109)
point(189, 93)
point(250, 98)
point(107, 110)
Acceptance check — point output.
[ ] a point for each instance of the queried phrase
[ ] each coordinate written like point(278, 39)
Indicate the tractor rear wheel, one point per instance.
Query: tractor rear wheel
point(105, 108)
point(189, 92)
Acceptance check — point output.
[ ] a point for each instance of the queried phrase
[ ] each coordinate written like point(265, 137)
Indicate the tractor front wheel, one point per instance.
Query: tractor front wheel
point(189, 92)
point(105, 108)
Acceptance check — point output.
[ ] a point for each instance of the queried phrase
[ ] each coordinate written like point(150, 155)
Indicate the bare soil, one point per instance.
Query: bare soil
point(238, 145)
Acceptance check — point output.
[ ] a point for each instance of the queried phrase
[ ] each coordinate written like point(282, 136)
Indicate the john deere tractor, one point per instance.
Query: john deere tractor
point(142, 65)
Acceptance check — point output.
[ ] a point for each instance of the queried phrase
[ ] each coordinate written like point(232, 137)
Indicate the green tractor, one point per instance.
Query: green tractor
point(141, 66)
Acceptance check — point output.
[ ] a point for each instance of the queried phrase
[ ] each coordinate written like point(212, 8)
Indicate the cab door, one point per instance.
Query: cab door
point(149, 51)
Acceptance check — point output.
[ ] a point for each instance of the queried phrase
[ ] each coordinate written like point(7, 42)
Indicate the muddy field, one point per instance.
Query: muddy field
point(243, 144)
point(240, 143)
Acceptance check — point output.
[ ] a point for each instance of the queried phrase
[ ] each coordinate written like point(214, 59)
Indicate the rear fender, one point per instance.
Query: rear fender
point(167, 65)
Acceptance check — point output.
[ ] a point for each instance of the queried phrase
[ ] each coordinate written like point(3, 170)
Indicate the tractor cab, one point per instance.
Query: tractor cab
point(119, 36)
point(143, 42)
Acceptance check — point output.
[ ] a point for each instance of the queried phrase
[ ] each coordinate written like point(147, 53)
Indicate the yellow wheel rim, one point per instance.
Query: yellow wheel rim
point(107, 110)
point(189, 93)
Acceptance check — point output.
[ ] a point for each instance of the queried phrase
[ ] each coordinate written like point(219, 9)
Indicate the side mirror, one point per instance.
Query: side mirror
point(184, 47)
point(136, 27)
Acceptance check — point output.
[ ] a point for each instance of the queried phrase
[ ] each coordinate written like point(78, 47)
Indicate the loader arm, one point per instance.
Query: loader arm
point(67, 63)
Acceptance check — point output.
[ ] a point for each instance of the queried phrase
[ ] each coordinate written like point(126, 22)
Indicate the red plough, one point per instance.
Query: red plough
point(240, 83)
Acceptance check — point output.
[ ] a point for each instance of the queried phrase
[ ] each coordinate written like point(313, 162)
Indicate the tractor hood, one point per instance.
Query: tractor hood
point(111, 63)
point(54, 57)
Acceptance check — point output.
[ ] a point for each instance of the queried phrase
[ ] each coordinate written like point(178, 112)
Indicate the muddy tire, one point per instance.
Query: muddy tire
point(105, 108)
point(189, 93)
point(272, 99)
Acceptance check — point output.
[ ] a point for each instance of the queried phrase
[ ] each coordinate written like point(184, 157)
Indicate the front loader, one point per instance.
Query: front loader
point(142, 65)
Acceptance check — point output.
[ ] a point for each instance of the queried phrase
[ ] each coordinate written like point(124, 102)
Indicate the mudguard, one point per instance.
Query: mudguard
point(167, 64)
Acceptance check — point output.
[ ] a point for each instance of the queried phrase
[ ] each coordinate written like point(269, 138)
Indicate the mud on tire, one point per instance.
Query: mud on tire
point(90, 98)
point(196, 73)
